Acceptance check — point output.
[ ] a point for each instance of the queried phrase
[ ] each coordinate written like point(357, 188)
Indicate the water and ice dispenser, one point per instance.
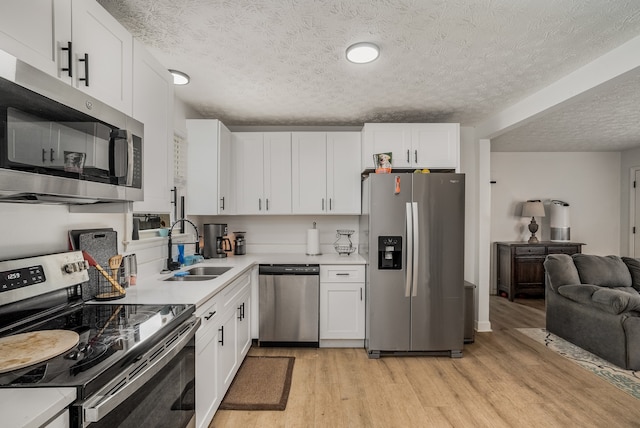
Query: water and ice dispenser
point(390, 252)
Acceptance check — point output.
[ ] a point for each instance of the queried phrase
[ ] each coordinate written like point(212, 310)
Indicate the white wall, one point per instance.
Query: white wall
point(285, 234)
point(630, 159)
point(29, 230)
point(589, 182)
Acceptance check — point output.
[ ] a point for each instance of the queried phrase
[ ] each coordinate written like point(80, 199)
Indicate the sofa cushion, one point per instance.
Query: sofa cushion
point(611, 300)
point(581, 293)
point(561, 270)
point(606, 271)
point(634, 270)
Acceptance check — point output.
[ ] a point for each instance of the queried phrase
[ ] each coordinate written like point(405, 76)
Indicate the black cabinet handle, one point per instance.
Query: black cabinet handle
point(408, 159)
point(240, 312)
point(222, 203)
point(415, 156)
point(243, 310)
point(208, 317)
point(51, 152)
point(85, 79)
point(69, 60)
point(259, 204)
point(267, 203)
point(221, 330)
point(44, 155)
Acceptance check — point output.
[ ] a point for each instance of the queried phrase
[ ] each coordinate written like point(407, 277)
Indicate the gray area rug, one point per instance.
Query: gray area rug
point(626, 380)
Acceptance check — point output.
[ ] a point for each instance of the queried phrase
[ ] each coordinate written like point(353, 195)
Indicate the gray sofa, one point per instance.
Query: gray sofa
point(594, 302)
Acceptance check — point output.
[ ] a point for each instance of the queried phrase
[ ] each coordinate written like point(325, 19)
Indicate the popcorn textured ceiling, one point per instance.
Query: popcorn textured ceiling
point(282, 62)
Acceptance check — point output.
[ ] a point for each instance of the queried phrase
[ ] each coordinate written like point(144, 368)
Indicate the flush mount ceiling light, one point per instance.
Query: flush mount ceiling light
point(362, 53)
point(179, 78)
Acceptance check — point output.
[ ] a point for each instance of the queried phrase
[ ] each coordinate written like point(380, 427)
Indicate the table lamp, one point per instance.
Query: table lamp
point(533, 209)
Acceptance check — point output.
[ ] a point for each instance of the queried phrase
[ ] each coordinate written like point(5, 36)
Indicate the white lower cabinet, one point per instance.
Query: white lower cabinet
point(222, 342)
point(342, 305)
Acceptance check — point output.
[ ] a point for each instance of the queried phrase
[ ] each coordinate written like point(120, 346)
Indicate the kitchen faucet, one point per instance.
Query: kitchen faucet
point(171, 265)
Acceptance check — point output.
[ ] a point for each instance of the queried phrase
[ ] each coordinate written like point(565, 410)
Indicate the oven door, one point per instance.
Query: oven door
point(158, 390)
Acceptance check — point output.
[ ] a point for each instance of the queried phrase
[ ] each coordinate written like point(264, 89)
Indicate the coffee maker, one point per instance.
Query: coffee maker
point(215, 243)
point(240, 244)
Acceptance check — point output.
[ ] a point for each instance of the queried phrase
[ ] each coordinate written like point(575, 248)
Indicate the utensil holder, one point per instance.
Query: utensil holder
point(106, 290)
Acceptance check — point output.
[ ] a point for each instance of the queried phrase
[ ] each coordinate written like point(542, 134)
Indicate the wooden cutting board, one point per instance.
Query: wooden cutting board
point(25, 349)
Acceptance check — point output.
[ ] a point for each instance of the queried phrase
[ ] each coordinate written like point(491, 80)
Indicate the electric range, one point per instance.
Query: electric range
point(121, 349)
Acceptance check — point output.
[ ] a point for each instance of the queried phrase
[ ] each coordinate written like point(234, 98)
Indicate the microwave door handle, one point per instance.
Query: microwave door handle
point(130, 160)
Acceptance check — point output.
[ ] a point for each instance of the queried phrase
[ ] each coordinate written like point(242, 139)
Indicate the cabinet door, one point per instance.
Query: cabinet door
point(109, 49)
point(207, 392)
point(153, 106)
point(226, 199)
point(248, 155)
point(342, 310)
point(202, 174)
point(383, 138)
point(277, 173)
point(35, 31)
point(309, 172)
point(227, 362)
point(435, 145)
point(343, 173)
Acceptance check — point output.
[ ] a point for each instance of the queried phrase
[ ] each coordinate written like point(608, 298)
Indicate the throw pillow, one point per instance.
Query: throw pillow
point(606, 271)
point(634, 269)
point(560, 270)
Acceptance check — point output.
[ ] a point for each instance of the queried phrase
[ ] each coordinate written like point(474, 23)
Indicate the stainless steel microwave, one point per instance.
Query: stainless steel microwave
point(58, 144)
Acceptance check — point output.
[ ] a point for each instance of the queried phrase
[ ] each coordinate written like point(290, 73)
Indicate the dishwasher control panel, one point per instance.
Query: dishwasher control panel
point(298, 269)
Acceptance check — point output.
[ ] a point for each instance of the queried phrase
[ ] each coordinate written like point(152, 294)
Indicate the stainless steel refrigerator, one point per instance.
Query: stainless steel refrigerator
point(412, 235)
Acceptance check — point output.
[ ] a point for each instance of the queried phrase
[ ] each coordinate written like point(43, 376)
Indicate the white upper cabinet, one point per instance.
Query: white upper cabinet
point(326, 172)
point(77, 41)
point(413, 145)
point(263, 172)
point(153, 106)
point(37, 38)
point(210, 168)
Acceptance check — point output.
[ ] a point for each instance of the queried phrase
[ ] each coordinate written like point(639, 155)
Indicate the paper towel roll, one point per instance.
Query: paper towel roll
point(313, 242)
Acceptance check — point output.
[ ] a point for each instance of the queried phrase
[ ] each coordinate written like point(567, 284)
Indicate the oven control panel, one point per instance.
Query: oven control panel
point(32, 276)
point(12, 279)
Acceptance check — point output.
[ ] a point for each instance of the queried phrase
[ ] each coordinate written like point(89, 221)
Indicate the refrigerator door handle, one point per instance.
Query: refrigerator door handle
point(409, 243)
point(416, 249)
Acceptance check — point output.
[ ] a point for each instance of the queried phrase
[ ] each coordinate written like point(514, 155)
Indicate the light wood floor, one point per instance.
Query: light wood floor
point(504, 379)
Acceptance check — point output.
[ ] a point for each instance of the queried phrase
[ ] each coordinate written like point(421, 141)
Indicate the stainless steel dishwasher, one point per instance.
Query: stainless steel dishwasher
point(289, 305)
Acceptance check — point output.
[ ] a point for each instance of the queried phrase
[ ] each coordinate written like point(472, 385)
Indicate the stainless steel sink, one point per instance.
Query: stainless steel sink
point(208, 270)
point(192, 278)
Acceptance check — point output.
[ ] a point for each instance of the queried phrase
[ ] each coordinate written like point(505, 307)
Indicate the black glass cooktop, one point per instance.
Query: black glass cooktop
point(111, 336)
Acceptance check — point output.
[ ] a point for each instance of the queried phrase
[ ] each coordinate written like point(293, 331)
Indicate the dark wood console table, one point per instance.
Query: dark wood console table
point(520, 268)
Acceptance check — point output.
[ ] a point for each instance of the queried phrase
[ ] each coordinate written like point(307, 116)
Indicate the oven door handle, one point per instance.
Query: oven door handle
point(111, 396)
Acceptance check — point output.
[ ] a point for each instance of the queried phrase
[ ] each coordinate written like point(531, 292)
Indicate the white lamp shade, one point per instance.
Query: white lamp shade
point(533, 209)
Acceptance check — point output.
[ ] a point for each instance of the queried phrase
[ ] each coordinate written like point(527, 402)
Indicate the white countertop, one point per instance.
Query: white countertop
point(154, 290)
point(33, 407)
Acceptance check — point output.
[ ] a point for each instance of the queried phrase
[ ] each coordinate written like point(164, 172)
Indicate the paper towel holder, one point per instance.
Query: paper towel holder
point(313, 241)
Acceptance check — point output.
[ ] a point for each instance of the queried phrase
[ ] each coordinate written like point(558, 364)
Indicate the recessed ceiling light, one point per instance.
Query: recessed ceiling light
point(361, 53)
point(179, 78)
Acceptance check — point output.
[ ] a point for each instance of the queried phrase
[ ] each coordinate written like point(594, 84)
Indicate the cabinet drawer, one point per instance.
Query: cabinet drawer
point(566, 249)
point(232, 291)
point(530, 250)
point(342, 273)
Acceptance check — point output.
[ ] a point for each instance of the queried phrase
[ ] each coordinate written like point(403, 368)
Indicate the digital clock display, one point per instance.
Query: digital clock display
point(18, 278)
